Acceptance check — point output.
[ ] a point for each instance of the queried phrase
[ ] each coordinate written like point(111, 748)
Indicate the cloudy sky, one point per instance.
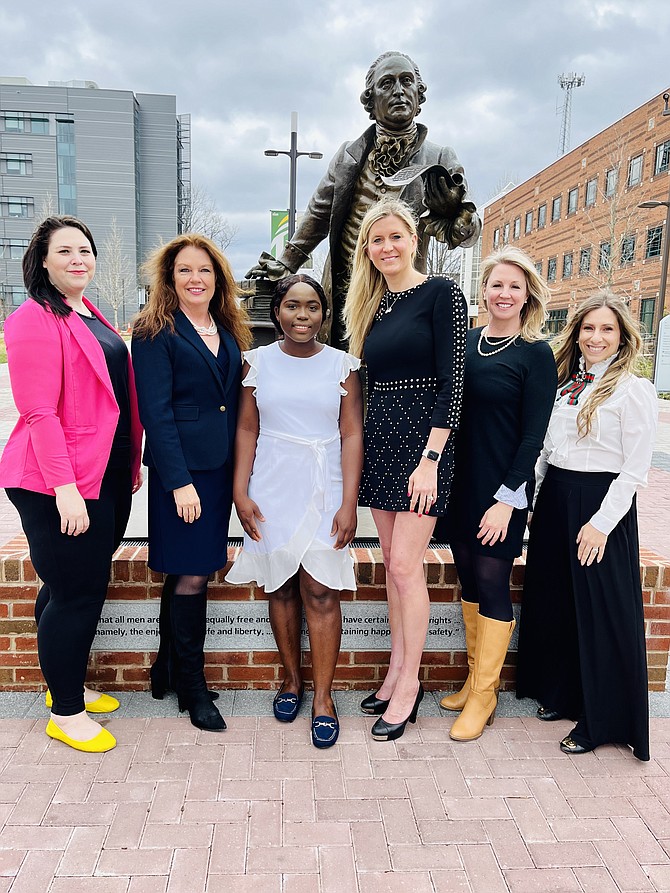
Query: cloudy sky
point(241, 68)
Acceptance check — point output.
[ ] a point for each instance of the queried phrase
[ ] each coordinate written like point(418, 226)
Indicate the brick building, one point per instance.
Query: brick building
point(579, 218)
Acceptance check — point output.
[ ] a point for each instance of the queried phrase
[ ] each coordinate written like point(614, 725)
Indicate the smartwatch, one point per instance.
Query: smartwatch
point(431, 454)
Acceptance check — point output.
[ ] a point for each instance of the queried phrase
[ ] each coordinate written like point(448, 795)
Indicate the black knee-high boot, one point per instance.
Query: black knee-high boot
point(161, 672)
point(189, 621)
point(164, 672)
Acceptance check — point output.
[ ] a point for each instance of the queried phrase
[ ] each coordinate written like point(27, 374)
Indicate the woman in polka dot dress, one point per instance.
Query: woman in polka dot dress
point(410, 329)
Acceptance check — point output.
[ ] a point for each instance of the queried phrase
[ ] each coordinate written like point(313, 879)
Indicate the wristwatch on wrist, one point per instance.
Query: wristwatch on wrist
point(431, 454)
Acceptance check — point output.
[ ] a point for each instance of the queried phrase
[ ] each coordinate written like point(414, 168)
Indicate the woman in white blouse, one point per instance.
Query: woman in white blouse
point(581, 646)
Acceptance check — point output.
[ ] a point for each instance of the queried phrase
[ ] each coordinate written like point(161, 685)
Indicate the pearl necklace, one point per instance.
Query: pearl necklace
point(211, 329)
point(500, 347)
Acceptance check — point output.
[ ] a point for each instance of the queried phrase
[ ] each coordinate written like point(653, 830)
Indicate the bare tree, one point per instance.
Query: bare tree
point(203, 216)
point(443, 260)
point(614, 234)
point(47, 208)
point(113, 271)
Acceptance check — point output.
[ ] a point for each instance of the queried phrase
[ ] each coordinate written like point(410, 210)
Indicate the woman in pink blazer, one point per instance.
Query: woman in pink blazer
point(71, 463)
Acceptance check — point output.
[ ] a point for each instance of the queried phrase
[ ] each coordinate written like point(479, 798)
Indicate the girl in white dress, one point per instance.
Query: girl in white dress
point(298, 460)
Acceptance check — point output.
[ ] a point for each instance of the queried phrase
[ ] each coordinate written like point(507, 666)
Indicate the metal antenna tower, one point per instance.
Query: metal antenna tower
point(567, 82)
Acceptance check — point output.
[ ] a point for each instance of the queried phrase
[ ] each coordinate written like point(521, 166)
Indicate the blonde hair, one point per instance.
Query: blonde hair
point(162, 304)
point(367, 284)
point(567, 353)
point(534, 311)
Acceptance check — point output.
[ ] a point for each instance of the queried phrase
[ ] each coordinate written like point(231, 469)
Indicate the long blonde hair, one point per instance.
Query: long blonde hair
point(367, 284)
point(162, 304)
point(534, 311)
point(567, 353)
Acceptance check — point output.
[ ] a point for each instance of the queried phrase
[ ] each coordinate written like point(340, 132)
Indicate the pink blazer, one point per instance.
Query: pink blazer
point(68, 412)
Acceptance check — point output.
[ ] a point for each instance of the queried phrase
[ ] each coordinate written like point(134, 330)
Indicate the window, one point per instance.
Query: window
point(573, 199)
point(604, 255)
point(551, 269)
point(13, 249)
point(506, 234)
point(647, 307)
point(635, 170)
point(556, 209)
point(529, 222)
point(556, 320)
point(541, 216)
point(14, 122)
point(591, 192)
point(17, 206)
point(39, 125)
point(654, 239)
point(567, 265)
point(15, 294)
point(627, 250)
point(496, 238)
point(611, 178)
point(538, 267)
point(662, 158)
point(517, 227)
point(16, 164)
point(584, 261)
point(21, 122)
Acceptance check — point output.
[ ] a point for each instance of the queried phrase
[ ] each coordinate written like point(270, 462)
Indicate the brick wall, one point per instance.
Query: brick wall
point(132, 580)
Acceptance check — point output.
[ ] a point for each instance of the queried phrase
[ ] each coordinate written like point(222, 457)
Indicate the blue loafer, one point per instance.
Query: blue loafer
point(287, 706)
point(325, 731)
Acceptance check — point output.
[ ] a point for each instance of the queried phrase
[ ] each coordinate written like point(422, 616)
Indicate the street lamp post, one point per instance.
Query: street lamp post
point(293, 155)
point(658, 310)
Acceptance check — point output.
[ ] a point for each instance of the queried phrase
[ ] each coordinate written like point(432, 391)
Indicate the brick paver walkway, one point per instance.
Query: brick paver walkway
point(257, 808)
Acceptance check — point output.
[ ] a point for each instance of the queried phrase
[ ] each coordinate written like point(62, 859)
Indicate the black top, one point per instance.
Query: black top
point(415, 355)
point(507, 402)
point(116, 357)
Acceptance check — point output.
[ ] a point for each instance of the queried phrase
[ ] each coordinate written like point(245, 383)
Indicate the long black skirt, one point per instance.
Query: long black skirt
point(581, 640)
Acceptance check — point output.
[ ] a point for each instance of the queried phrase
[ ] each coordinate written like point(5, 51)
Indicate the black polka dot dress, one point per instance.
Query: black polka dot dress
point(415, 355)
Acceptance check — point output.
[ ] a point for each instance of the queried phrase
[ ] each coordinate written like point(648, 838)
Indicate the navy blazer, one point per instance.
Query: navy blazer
point(189, 414)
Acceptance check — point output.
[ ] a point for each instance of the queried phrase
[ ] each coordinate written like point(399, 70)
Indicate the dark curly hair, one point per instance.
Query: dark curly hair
point(367, 95)
point(282, 288)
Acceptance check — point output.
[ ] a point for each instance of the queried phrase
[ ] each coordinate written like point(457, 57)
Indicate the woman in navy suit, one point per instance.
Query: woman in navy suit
point(187, 344)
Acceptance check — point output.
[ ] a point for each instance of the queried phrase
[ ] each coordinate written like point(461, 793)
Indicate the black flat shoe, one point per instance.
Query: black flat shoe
point(287, 706)
point(569, 745)
point(547, 715)
point(325, 731)
point(373, 705)
point(387, 731)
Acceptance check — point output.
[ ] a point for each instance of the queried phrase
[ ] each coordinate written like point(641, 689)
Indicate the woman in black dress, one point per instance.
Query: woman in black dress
point(510, 382)
point(187, 344)
point(581, 646)
point(410, 329)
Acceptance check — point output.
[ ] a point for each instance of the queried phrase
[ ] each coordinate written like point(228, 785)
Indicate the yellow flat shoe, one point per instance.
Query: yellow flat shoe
point(103, 704)
point(101, 743)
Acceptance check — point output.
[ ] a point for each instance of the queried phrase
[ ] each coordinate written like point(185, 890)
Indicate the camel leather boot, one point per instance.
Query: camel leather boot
point(493, 637)
point(470, 614)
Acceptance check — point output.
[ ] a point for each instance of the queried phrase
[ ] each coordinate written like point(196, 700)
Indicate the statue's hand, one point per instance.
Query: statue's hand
point(464, 225)
point(442, 198)
point(268, 267)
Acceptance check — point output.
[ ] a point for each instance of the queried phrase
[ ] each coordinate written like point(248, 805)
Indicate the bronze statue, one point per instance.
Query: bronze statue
point(362, 172)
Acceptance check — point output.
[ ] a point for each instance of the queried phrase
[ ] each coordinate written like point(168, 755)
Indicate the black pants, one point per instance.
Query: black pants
point(75, 573)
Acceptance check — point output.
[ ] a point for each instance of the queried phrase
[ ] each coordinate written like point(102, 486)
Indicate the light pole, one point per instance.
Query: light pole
point(293, 155)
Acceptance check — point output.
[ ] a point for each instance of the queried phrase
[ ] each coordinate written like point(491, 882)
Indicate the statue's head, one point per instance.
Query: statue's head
point(394, 90)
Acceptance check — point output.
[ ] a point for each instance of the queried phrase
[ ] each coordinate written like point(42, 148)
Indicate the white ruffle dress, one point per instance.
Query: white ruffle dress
point(296, 479)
